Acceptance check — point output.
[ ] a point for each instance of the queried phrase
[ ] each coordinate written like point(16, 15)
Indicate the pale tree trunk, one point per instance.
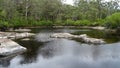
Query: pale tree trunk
point(26, 9)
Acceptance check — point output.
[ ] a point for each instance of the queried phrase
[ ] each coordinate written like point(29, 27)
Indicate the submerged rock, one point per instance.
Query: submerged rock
point(82, 37)
point(9, 47)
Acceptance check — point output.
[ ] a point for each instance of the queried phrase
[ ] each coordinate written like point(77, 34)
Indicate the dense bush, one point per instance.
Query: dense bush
point(4, 24)
point(98, 22)
point(82, 23)
point(59, 23)
point(69, 22)
point(42, 23)
point(113, 21)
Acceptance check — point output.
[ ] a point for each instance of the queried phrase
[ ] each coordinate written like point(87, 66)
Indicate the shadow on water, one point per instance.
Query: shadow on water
point(32, 50)
point(5, 61)
point(46, 52)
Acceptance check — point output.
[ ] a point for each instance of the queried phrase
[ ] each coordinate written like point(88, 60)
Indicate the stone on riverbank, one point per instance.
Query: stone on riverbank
point(98, 28)
point(14, 35)
point(21, 30)
point(9, 47)
point(26, 39)
point(82, 37)
point(62, 35)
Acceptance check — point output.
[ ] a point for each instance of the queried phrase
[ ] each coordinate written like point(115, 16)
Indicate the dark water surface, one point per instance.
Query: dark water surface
point(46, 52)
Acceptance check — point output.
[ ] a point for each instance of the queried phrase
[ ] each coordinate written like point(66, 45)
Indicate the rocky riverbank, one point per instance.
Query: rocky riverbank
point(15, 35)
point(8, 46)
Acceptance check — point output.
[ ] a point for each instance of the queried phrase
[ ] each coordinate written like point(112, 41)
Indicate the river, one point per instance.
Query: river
point(46, 52)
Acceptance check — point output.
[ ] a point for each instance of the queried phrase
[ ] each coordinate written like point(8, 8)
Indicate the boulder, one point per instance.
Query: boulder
point(82, 37)
point(9, 47)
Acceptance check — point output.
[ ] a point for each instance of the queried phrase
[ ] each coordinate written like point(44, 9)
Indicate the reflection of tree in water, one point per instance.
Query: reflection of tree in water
point(53, 48)
point(32, 51)
point(5, 61)
point(110, 37)
point(47, 51)
point(96, 52)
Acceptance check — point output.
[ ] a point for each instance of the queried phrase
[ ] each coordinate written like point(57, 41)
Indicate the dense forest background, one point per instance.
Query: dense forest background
point(22, 13)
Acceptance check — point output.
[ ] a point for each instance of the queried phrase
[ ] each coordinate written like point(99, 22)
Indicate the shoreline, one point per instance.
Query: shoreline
point(75, 27)
point(63, 27)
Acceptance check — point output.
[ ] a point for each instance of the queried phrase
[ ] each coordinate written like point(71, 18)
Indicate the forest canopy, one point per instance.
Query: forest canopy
point(21, 13)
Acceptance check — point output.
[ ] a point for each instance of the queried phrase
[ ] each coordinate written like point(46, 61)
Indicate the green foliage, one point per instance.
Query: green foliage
point(69, 22)
point(42, 23)
point(98, 22)
point(23, 13)
point(113, 21)
point(18, 22)
point(82, 23)
point(4, 24)
point(59, 22)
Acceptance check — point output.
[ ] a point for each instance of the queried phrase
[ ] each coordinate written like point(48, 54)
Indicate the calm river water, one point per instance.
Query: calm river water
point(46, 52)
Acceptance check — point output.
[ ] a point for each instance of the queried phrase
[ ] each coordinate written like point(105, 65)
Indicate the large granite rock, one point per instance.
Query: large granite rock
point(9, 47)
point(82, 37)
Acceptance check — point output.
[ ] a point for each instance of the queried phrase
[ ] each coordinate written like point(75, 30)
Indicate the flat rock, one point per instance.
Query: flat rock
point(26, 39)
point(62, 35)
point(82, 37)
point(9, 47)
point(99, 28)
point(21, 30)
point(14, 35)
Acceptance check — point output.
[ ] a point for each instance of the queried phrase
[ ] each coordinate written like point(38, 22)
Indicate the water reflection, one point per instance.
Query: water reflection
point(65, 53)
point(5, 61)
point(75, 56)
point(32, 51)
point(109, 37)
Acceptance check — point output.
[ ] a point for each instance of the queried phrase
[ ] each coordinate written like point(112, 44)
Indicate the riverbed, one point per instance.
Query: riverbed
point(46, 52)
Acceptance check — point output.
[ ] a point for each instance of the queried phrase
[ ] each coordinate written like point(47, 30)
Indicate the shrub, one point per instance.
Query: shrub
point(113, 21)
point(18, 22)
point(69, 22)
point(59, 22)
point(4, 25)
point(98, 22)
point(82, 23)
point(42, 23)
